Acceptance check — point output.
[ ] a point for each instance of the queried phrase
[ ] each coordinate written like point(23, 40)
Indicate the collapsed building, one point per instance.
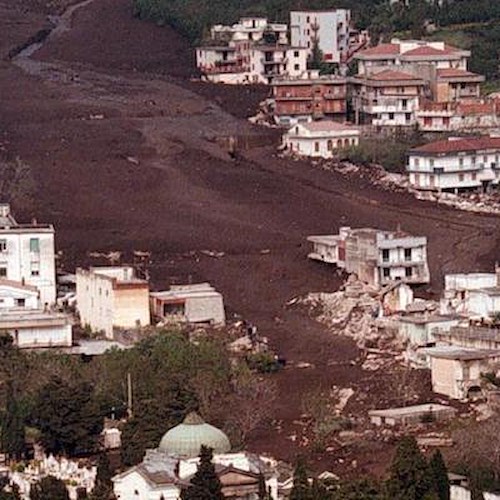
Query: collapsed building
point(377, 257)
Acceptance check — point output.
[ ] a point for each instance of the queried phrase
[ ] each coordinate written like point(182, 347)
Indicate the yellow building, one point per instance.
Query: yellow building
point(110, 298)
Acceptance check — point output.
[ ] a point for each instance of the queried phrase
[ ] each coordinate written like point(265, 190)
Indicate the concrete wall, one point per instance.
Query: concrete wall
point(205, 309)
point(54, 336)
point(483, 304)
point(133, 486)
point(319, 147)
point(131, 307)
point(36, 268)
point(444, 374)
point(10, 297)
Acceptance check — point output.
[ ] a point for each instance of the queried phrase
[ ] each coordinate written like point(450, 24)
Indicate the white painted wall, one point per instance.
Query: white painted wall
point(10, 297)
point(28, 254)
point(53, 336)
point(133, 486)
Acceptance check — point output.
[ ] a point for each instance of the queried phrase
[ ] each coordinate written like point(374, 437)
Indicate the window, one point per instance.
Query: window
point(404, 103)
point(460, 177)
point(473, 160)
point(408, 254)
point(473, 176)
point(35, 245)
point(329, 145)
point(408, 272)
point(385, 255)
point(316, 147)
point(308, 19)
point(460, 162)
point(35, 269)
point(416, 162)
point(296, 67)
point(20, 302)
point(296, 53)
point(431, 163)
point(386, 272)
point(391, 116)
point(408, 117)
point(485, 159)
point(3, 245)
point(3, 272)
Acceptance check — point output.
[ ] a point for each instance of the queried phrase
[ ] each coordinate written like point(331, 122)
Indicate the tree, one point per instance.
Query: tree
point(49, 488)
point(204, 485)
point(301, 489)
point(103, 486)
point(262, 488)
point(8, 491)
point(439, 476)
point(12, 436)
point(67, 416)
point(409, 474)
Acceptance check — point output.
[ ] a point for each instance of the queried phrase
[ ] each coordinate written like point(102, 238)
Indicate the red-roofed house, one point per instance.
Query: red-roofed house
point(387, 98)
point(320, 139)
point(411, 52)
point(455, 164)
point(454, 84)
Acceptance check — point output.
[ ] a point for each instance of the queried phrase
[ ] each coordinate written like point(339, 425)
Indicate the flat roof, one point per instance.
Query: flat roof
point(460, 353)
point(328, 239)
point(435, 318)
point(410, 410)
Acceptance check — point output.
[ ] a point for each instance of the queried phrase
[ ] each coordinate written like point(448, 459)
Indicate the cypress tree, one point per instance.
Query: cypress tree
point(49, 488)
point(409, 473)
point(205, 484)
point(12, 436)
point(262, 487)
point(301, 489)
point(439, 476)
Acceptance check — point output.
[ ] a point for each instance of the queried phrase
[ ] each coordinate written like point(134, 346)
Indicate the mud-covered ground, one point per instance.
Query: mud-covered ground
point(127, 152)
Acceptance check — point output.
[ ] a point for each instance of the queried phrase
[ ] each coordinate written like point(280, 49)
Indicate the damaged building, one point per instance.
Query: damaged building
point(377, 257)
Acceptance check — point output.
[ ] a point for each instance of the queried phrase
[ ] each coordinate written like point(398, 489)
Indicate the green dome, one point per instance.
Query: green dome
point(186, 439)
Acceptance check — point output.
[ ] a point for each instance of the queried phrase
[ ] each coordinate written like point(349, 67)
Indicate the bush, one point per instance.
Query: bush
point(263, 362)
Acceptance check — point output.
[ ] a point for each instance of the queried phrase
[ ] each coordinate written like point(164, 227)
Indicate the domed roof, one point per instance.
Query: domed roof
point(185, 440)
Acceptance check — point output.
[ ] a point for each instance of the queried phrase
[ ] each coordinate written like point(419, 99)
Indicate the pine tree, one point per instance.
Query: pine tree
point(205, 484)
point(103, 486)
point(409, 473)
point(439, 476)
point(49, 488)
point(301, 489)
point(12, 437)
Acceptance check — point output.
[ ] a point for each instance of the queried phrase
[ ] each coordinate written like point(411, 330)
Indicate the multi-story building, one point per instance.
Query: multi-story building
point(251, 51)
point(320, 139)
point(406, 55)
point(387, 98)
point(455, 84)
point(330, 29)
point(375, 256)
point(465, 116)
point(112, 297)
point(309, 97)
point(455, 164)
point(27, 254)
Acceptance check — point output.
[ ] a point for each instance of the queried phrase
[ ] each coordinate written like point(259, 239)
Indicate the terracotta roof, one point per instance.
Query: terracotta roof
point(384, 49)
point(427, 50)
point(456, 73)
point(475, 108)
point(458, 145)
point(389, 74)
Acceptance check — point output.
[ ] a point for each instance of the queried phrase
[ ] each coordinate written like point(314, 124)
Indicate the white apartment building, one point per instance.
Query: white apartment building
point(27, 254)
point(112, 297)
point(455, 164)
point(251, 51)
point(320, 139)
point(387, 98)
point(329, 28)
point(377, 257)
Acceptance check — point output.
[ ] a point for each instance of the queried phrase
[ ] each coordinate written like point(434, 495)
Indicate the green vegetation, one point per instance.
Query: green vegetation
point(204, 485)
point(49, 488)
point(65, 399)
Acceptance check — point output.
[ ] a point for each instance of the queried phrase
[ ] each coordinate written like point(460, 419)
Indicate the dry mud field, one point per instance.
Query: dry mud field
point(126, 152)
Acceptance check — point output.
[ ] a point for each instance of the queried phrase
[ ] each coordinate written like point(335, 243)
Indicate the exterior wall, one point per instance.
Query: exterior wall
point(332, 31)
point(420, 334)
point(319, 147)
point(205, 309)
point(133, 486)
point(54, 336)
point(483, 304)
point(21, 259)
point(10, 297)
point(445, 373)
point(325, 253)
point(131, 306)
point(454, 171)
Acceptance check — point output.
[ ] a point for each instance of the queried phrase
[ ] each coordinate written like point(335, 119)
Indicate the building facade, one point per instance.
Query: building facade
point(387, 98)
point(377, 257)
point(250, 51)
point(321, 139)
point(309, 97)
point(455, 164)
point(190, 304)
point(112, 297)
point(27, 254)
point(330, 29)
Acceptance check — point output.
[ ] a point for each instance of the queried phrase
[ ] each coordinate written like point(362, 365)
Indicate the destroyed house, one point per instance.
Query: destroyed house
point(377, 257)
